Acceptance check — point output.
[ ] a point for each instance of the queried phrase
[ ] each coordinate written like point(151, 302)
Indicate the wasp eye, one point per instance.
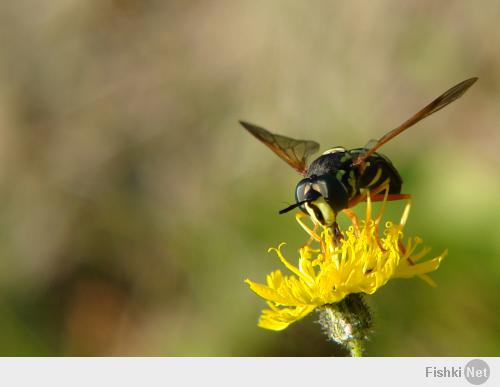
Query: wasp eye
point(326, 185)
point(302, 187)
point(332, 190)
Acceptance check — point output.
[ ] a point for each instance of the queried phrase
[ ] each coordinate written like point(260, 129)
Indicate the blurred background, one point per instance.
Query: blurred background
point(133, 205)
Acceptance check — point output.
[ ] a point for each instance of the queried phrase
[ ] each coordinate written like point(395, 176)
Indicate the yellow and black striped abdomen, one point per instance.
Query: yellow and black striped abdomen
point(377, 170)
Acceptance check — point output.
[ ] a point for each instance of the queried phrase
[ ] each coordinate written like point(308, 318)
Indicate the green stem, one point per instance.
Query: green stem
point(356, 348)
point(347, 322)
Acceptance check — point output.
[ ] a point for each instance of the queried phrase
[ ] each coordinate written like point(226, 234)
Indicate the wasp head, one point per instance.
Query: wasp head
point(322, 197)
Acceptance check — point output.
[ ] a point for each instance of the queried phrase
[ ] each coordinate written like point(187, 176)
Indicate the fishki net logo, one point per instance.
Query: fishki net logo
point(476, 372)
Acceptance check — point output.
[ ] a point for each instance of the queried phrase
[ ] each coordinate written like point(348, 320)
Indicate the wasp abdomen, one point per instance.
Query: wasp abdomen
point(379, 170)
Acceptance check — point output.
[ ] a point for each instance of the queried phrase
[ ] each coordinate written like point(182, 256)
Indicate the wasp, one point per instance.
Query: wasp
point(341, 178)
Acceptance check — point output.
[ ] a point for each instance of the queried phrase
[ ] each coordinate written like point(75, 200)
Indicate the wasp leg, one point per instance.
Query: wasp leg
point(356, 200)
point(377, 197)
point(354, 219)
point(390, 197)
point(384, 187)
point(311, 238)
point(312, 233)
point(364, 192)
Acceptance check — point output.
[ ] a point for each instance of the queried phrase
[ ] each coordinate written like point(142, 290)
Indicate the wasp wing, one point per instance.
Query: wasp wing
point(294, 152)
point(440, 102)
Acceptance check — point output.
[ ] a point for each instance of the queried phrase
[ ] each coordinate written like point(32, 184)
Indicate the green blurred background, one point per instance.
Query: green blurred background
point(133, 205)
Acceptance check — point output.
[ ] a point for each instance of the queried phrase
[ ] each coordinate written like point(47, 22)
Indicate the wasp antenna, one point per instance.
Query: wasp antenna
point(291, 207)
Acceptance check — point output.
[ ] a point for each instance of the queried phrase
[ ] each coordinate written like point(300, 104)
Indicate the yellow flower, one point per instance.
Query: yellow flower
point(361, 262)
